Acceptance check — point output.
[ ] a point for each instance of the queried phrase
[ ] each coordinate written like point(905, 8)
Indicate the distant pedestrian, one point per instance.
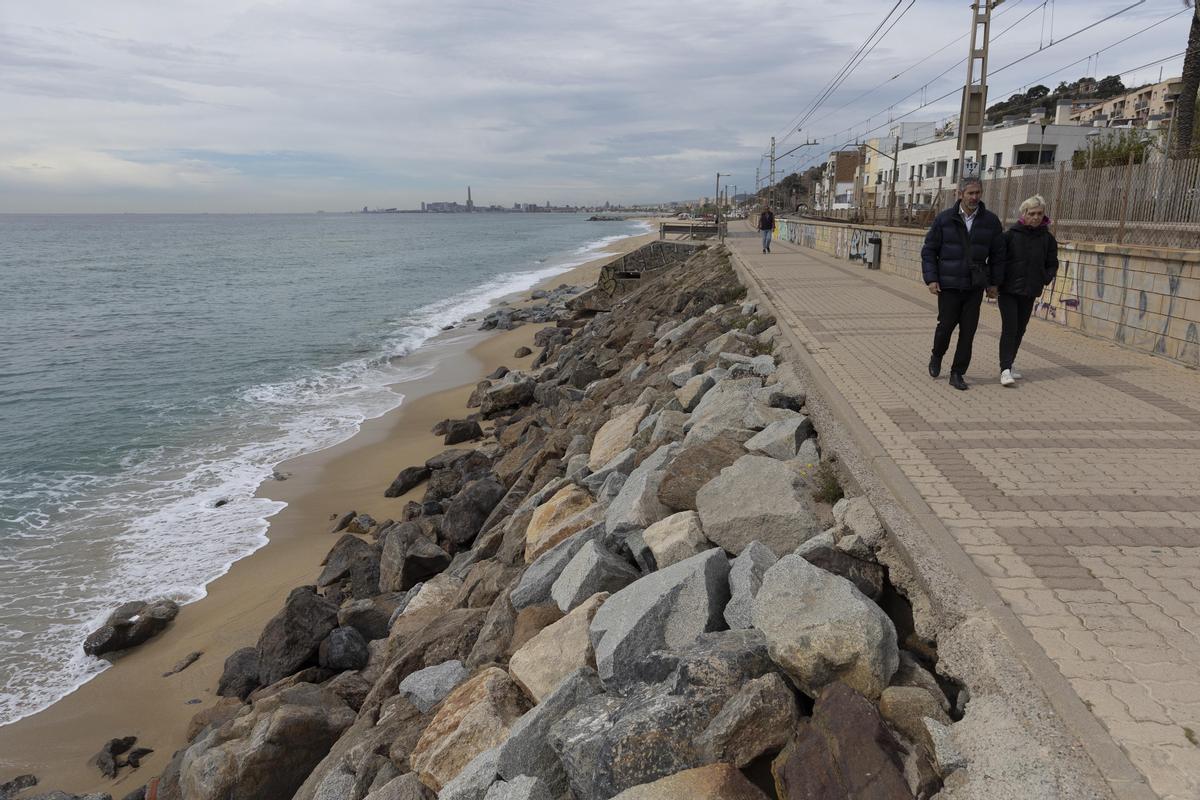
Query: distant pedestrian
point(1032, 264)
point(766, 224)
point(962, 258)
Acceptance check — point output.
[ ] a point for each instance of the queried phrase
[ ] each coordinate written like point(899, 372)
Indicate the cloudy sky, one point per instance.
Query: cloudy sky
point(299, 105)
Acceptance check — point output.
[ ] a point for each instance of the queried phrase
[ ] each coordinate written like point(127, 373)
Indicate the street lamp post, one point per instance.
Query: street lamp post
point(717, 202)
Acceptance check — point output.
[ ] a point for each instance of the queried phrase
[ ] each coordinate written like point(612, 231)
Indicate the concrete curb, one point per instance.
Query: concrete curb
point(981, 642)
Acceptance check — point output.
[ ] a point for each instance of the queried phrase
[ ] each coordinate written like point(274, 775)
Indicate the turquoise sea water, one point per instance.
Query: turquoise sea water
point(152, 365)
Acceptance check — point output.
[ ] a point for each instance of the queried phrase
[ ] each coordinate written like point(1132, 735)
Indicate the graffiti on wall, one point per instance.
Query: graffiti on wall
point(860, 241)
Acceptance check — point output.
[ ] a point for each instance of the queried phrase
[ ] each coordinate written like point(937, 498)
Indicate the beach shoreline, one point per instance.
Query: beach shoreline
point(134, 698)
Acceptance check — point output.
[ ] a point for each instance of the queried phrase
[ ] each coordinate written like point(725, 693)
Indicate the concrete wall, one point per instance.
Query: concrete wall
point(1140, 297)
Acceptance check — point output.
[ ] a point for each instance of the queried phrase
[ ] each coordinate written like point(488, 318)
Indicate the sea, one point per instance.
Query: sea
point(152, 366)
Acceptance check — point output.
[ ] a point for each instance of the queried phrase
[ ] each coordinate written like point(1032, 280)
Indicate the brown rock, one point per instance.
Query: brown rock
point(531, 621)
point(758, 719)
point(215, 716)
point(844, 753)
point(696, 465)
point(557, 651)
point(905, 707)
point(483, 584)
point(475, 717)
point(565, 513)
point(713, 782)
point(614, 436)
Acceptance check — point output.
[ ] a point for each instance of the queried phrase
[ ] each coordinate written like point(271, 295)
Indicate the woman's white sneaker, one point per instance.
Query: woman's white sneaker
point(1016, 375)
point(1006, 378)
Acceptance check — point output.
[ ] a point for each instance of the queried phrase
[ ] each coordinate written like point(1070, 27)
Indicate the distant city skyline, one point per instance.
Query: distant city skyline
point(223, 106)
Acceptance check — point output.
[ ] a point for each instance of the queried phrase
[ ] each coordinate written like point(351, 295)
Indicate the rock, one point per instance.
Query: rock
point(911, 673)
point(137, 794)
point(184, 663)
point(469, 509)
point(267, 751)
point(566, 513)
point(691, 393)
point(10, 789)
point(577, 469)
point(135, 756)
point(530, 622)
point(711, 782)
point(462, 430)
point(408, 479)
point(611, 488)
point(614, 436)
point(476, 398)
point(745, 578)
point(475, 717)
point(361, 524)
point(344, 648)
point(500, 371)
point(106, 759)
point(821, 629)
point(473, 781)
point(781, 439)
point(130, 625)
point(522, 352)
point(757, 498)
point(523, 787)
point(637, 504)
point(856, 517)
point(622, 463)
point(675, 538)
point(341, 523)
point(527, 750)
point(731, 404)
point(758, 719)
point(729, 342)
point(666, 609)
point(867, 576)
point(809, 453)
point(405, 787)
point(763, 365)
point(438, 592)
point(240, 676)
point(593, 569)
point(697, 464)
point(667, 428)
point(427, 687)
point(368, 617)
point(409, 558)
point(845, 751)
point(946, 754)
point(906, 707)
point(538, 579)
point(354, 560)
point(291, 639)
point(514, 391)
point(678, 333)
point(560, 649)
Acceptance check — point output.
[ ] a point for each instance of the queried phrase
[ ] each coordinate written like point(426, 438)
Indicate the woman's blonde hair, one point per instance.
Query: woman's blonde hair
point(1037, 201)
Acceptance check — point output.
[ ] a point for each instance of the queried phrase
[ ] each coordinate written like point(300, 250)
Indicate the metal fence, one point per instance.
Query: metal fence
point(1154, 204)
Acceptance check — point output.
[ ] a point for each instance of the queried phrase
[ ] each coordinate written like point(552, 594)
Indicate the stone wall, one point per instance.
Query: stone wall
point(623, 275)
point(1140, 297)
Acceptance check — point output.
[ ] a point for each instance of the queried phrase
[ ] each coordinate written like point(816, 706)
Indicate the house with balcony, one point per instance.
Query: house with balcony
point(1135, 109)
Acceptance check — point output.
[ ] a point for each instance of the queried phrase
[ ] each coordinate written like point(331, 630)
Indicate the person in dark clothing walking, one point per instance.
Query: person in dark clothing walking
point(766, 224)
point(962, 258)
point(1032, 263)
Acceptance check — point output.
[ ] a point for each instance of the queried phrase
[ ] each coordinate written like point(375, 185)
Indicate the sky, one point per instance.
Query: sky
point(304, 105)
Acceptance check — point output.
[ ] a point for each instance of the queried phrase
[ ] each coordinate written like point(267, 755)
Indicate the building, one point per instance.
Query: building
point(835, 190)
point(1136, 109)
point(879, 157)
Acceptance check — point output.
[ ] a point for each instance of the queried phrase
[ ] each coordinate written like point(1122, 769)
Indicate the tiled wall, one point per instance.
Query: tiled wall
point(1140, 297)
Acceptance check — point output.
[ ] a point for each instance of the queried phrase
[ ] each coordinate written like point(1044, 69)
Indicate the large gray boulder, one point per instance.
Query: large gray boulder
point(731, 403)
point(130, 625)
point(523, 787)
point(291, 639)
point(344, 648)
point(781, 439)
point(473, 782)
point(666, 609)
point(537, 581)
point(354, 560)
point(527, 750)
point(409, 557)
point(745, 578)
point(821, 629)
point(622, 462)
point(593, 569)
point(757, 498)
point(691, 393)
point(759, 719)
point(516, 389)
point(637, 504)
point(427, 687)
point(674, 538)
point(696, 464)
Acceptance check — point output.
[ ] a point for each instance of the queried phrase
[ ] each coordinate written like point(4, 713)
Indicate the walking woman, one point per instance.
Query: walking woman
point(1032, 265)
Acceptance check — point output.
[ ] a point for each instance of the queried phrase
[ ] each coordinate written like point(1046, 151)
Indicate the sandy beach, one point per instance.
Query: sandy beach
point(133, 698)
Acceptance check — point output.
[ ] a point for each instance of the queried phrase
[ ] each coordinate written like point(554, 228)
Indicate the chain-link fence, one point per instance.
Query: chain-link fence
point(1153, 204)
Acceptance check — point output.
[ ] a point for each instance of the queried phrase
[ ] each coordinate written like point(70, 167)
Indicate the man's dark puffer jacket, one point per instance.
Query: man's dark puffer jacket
point(945, 259)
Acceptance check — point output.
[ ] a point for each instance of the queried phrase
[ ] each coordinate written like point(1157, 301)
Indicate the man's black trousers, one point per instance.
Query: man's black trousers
point(1014, 313)
point(957, 308)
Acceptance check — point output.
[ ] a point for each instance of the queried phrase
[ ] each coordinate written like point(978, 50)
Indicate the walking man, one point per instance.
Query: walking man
point(766, 224)
point(962, 258)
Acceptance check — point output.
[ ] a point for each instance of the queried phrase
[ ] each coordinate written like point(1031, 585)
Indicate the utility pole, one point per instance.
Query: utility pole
point(974, 98)
point(771, 191)
point(896, 176)
point(717, 201)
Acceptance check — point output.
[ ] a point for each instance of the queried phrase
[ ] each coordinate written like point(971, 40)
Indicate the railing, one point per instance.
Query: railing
point(691, 229)
point(1155, 204)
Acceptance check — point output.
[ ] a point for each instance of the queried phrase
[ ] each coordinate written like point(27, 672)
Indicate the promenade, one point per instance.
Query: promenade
point(1075, 495)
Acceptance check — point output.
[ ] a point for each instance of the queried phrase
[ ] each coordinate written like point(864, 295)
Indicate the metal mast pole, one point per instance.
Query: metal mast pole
point(974, 98)
point(771, 191)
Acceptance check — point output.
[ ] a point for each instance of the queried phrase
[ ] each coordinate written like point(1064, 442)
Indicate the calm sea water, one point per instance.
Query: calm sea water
point(152, 365)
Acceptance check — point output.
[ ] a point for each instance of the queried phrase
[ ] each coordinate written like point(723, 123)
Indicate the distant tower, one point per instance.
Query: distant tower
point(470, 202)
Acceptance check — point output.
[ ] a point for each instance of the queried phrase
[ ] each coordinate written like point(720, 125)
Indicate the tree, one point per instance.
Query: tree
point(1110, 85)
point(1037, 92)
point(1185, 106)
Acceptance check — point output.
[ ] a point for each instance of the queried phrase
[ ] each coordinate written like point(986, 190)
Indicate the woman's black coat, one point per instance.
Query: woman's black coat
point(1032, 260)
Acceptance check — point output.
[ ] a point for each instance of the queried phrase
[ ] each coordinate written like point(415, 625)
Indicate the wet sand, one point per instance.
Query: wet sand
point(134, 699)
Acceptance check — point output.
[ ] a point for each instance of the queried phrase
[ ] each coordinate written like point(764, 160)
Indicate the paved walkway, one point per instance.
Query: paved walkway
point(1077, 494)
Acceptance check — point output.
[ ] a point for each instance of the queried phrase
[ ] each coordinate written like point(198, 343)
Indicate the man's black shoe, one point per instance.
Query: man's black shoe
point(935, 366)
point(957, 382)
